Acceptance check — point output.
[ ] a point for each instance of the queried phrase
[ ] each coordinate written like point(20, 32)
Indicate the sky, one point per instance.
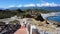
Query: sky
point(28, 3)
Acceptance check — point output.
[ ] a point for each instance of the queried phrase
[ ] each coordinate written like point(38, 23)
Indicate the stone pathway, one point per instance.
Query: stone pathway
point(22, 30)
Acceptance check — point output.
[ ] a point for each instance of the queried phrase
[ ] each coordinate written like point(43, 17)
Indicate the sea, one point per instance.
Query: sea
point(55, 18)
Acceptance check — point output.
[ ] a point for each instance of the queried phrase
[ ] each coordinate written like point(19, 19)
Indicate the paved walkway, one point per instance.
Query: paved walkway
point(22, 30)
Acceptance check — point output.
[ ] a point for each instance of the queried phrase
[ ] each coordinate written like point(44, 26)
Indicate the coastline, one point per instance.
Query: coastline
point(50, 14)
point(45, 16)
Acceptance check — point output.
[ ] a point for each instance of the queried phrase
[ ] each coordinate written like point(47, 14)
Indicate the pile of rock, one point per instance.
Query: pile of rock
point(8, 28)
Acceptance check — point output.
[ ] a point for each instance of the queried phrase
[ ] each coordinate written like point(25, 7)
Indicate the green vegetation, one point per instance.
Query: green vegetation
point(9, 13)
point(15, 21)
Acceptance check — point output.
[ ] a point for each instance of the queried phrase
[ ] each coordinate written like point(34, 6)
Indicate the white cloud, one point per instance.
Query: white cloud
point(51, 4)
point(48, 4)
point(20, 5)
point(39, 5)
point(29, 5)
point(34, 5)
point(11, 6)
point(44, 3)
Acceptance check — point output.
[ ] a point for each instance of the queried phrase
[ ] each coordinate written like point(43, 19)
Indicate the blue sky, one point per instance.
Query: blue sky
point(27, 3)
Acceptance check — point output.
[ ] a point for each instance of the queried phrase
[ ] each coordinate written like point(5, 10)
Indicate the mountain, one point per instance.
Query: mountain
point(51, 8)
point(2, 9)
point(22, 8)
point(57, 8)
point(12, 8)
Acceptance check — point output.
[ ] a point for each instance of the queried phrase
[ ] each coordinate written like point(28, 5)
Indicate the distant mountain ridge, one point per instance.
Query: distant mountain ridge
point(57, 8)
point(51, 8)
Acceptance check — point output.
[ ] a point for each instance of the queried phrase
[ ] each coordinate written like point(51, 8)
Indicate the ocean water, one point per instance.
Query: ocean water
point(54, 18)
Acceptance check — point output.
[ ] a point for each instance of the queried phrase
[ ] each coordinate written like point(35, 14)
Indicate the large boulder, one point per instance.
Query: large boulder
point(39, 17)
